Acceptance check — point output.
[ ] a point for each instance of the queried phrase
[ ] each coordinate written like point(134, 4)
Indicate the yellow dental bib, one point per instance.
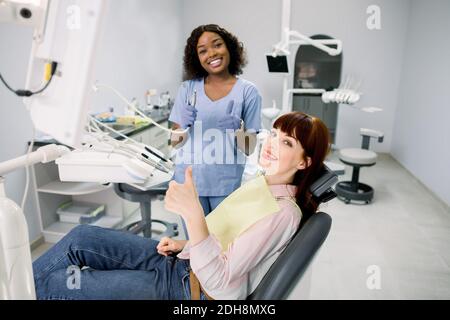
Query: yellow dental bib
point(240, 210)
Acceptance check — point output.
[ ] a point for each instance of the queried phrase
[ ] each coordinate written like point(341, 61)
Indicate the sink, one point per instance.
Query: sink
point(122, 128)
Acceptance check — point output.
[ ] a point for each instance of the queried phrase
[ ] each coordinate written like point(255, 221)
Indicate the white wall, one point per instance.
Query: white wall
point(140, 48)
point(422, 123)
point(373, 55)
point(15, 122)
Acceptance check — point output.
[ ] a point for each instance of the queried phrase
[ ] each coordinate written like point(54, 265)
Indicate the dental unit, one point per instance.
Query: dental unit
point(86, 152)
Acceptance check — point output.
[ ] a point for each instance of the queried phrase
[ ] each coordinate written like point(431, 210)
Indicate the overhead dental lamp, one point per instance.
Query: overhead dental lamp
point(280, 54)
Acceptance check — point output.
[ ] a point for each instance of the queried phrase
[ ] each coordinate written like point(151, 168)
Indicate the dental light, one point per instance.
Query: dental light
point(294, 37)
point(291, 37)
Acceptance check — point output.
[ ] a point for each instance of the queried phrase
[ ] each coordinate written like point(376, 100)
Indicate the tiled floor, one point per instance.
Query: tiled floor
point(404, 233)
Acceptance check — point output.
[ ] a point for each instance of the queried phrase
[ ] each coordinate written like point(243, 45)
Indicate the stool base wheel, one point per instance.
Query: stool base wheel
point(347, 192)
point(145, 227)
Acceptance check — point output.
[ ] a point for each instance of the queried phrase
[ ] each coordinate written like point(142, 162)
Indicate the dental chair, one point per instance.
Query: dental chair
point(145, 199)
point(293, 262)
point(358, 158)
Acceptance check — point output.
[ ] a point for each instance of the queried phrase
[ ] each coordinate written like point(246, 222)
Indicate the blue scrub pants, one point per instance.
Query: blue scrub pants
point(119, 265)
point(210, 203)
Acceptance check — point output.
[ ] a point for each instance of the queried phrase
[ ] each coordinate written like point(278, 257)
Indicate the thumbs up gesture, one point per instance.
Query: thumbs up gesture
point(230, 120)
point(182, 198)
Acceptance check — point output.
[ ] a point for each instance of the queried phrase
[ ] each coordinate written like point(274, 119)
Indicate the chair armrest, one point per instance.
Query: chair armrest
point(372, 133)
point(326, 180)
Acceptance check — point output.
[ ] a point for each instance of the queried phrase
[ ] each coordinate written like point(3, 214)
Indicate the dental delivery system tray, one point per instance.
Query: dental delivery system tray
point(105, 167)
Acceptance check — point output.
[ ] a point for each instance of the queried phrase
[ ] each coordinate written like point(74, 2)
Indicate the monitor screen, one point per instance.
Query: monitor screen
point(277, 64)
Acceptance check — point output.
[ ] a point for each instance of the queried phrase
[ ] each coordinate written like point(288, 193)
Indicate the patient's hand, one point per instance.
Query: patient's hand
point(182, 198)
point(168, 246)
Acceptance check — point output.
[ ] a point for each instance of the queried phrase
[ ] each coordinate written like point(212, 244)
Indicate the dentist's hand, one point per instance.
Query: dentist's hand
point(188, 115)
point(182, 198)
point(168, 246)
point(230, 120)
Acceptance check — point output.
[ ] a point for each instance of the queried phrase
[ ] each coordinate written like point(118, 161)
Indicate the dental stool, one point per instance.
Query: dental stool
point(358, 158)
point(293, 262)
point(145, 198)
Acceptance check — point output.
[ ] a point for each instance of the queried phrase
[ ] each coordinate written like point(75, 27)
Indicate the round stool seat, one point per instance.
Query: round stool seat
point(358, 156)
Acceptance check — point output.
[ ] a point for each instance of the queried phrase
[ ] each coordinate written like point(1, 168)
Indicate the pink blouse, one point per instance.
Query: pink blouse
point(235, 273)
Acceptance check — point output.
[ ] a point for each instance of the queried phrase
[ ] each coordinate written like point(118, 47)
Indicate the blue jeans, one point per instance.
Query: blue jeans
point(111, 264)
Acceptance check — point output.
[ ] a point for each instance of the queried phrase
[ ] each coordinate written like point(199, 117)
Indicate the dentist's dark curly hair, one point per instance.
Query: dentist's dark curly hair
point(191, 63)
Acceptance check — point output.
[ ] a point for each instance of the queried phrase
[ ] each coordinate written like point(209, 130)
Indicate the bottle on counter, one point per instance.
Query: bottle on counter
point(149, 94)
point(130, 111)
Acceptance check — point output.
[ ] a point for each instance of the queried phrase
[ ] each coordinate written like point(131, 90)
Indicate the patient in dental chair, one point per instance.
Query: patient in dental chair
point(228, 252)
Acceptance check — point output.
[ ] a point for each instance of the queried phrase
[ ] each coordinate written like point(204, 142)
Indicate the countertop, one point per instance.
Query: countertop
point(137, 129)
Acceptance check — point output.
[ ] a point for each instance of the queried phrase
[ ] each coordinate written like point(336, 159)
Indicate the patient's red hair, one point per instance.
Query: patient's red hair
point(314, 137)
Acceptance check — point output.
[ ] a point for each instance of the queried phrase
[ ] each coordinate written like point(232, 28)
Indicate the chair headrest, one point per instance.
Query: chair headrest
point(322, 188)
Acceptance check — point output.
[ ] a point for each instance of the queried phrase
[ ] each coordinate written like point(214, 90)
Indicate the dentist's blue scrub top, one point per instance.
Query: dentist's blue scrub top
point(216, 161)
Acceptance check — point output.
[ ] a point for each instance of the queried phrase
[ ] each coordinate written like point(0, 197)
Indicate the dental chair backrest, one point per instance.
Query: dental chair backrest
point(292, 263)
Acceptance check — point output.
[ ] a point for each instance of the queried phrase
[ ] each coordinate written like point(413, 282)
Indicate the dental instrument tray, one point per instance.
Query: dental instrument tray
point(111, 167)
point(80, 212)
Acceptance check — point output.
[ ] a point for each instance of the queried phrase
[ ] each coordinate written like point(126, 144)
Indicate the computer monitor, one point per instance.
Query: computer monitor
point(277, 64)
point(72, 30)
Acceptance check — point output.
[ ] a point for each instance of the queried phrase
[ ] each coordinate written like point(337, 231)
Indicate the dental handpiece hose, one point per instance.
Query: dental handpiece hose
point(43, 154)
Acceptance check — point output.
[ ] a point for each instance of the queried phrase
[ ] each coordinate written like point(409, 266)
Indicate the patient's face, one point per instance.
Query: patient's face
point(281, 154)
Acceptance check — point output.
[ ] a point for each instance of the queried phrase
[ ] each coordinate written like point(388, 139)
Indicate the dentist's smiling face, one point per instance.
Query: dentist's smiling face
point(213, 53)
point(281, 154)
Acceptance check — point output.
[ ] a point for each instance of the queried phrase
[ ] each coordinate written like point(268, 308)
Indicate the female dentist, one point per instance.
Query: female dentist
point(221, 112)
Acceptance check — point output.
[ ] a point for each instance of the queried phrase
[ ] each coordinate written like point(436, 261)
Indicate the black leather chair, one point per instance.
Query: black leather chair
point(292, 263)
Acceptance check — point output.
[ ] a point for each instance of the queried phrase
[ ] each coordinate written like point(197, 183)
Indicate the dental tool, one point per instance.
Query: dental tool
point(191, 102)
point(129, 150)
point(128, 139)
